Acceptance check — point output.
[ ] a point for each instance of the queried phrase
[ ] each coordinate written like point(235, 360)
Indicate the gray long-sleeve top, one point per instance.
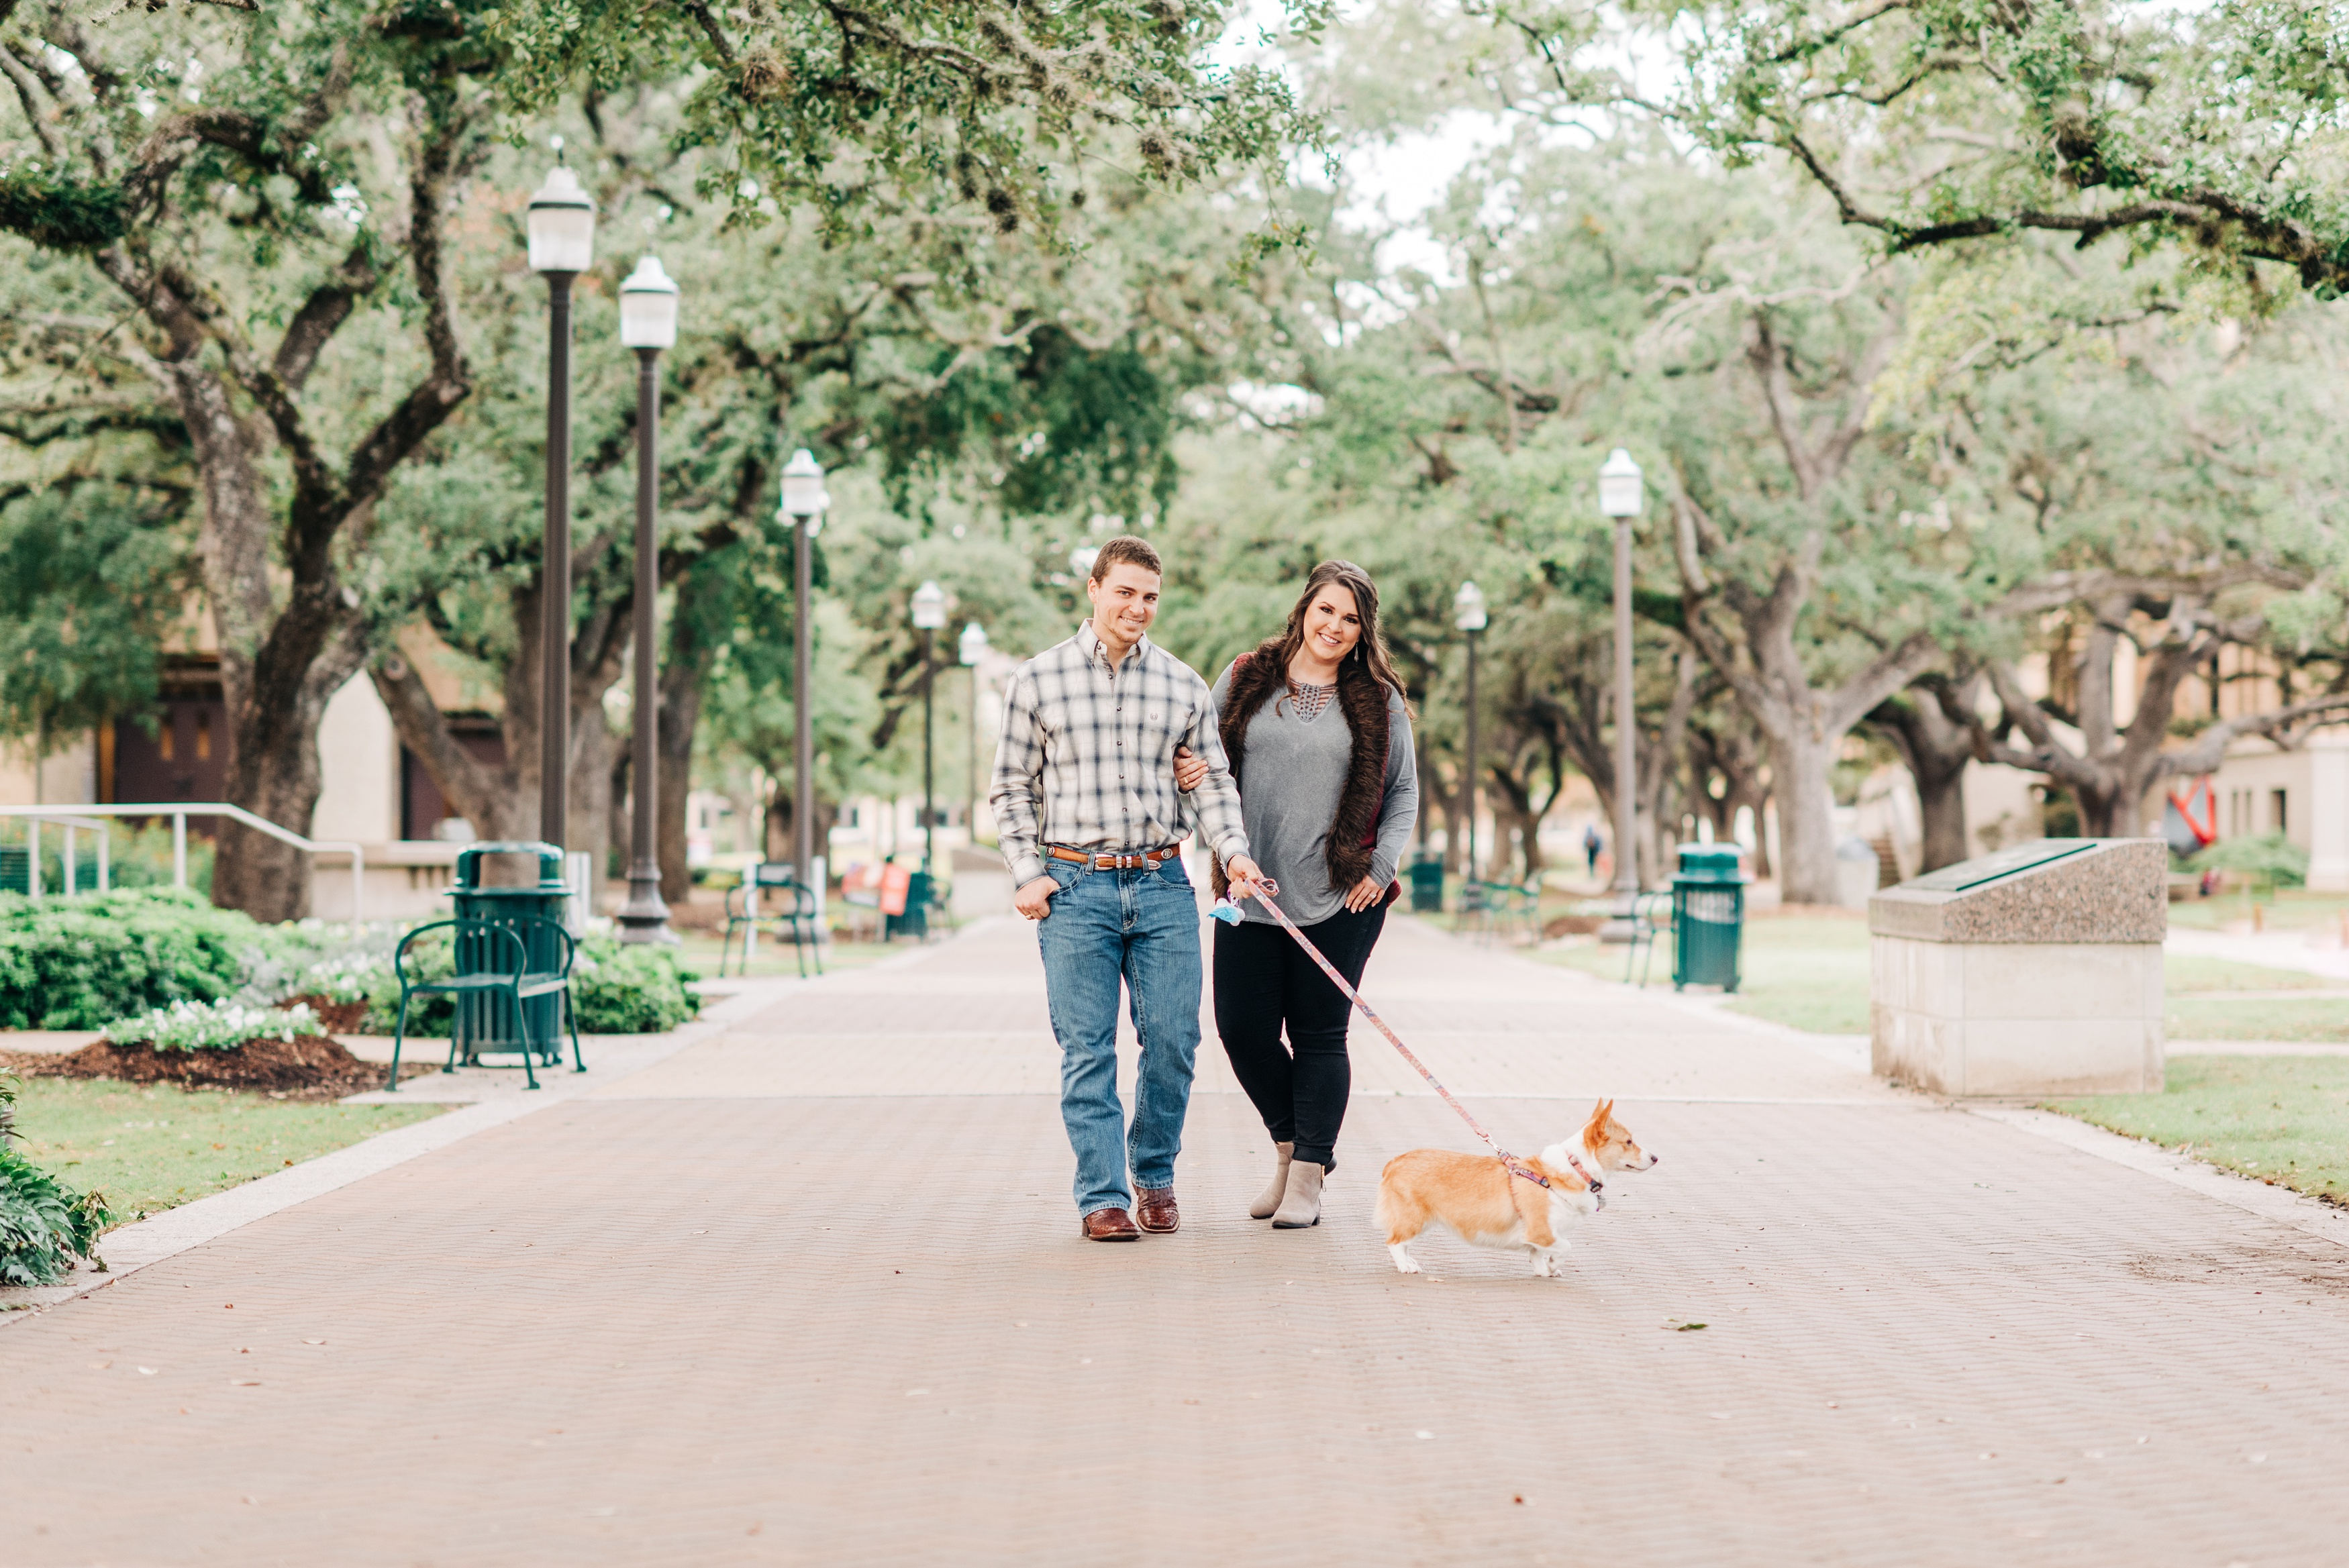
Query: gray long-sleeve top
point(1291, 778)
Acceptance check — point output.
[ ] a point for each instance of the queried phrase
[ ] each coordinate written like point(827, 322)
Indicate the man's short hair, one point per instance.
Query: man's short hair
point(1132, 550)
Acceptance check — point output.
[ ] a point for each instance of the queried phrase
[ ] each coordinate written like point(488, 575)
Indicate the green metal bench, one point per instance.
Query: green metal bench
point(1645, 908)
point(798, 917)
point(492, 962)
point(1519, 902)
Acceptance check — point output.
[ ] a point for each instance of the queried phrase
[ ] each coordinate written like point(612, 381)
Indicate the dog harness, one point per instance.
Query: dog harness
point(1262, 891)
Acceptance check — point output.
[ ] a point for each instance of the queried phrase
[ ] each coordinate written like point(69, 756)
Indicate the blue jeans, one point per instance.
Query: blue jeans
point(1143, 926)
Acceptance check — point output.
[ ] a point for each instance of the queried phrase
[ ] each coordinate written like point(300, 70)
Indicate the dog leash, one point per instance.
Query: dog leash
point(1228, 913)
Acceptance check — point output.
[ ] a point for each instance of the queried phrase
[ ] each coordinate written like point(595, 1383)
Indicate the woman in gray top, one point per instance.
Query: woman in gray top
point(1317, 732)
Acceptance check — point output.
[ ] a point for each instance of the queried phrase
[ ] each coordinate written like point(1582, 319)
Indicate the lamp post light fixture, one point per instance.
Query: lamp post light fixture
point(562, 246)
point(804, 502)
point(648, 325)
point(929, 615)
point(1468, 616)
point(973, 648)
point(1622, 496)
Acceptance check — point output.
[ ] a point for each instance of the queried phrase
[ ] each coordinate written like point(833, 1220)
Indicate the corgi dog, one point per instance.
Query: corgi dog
point(1481, 1202)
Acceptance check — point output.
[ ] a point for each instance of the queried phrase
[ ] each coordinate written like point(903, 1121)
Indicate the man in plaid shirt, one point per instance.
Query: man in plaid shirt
point(1090, 820)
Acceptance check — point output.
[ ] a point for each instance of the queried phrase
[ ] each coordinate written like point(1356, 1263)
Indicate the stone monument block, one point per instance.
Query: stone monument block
point(2034, 971)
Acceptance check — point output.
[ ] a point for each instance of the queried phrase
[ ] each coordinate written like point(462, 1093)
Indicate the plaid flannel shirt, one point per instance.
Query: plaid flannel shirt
point(1087, 758)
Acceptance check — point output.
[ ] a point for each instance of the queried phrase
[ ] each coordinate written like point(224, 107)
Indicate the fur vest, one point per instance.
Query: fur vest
point(1259, 676)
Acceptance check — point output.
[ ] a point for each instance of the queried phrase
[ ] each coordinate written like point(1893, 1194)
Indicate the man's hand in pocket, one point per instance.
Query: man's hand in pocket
point(1035, 899)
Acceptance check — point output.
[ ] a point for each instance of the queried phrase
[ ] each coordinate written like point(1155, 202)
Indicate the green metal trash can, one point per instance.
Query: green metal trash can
point(1426, 882)
point(916, 922)
point(486, 1021)
point(1707, 916)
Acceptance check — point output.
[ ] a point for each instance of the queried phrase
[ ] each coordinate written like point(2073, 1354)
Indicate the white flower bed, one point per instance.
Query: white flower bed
point(214, 1025)
point(350, 978)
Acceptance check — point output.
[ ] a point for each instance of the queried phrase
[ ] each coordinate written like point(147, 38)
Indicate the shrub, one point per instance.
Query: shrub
point(140, 858)
point(44, 1224)
point(213, 1025)
point(2268, 860)
point(82, 963)
point(629, 989)
point(435, 958)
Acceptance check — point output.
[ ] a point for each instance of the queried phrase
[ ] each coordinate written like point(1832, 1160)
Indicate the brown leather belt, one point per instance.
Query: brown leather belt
point(1142, 860)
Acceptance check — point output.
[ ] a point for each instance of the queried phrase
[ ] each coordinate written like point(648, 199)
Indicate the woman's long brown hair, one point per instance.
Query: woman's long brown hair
point(1370, 651)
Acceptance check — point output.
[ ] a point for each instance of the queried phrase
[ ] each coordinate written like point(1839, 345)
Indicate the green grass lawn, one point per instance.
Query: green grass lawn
point(2291, 909)
point(151, 1149)
point(1811, 974)
point(2185, 973)
point(2221, 1017)
point(2283, 1119)
point(699, 949)
point(1805, 972)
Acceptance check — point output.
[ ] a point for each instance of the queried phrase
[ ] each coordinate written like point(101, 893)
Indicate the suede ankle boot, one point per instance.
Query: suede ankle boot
point(1300, 1206)
point(1263, 1207)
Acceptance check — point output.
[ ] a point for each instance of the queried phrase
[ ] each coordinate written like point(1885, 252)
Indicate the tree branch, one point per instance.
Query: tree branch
point(465, 780)
point(430, 401)
point(323, 313)
point(2210, 748)
point(28, 95)
point(1884, 674)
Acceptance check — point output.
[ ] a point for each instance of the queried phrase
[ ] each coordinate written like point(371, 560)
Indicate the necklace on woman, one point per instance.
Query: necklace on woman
point(1310, 699)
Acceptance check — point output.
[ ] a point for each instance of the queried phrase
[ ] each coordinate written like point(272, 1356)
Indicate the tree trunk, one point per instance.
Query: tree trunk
point(687, 660)
point(503, 802)
point(1802, 779)
point(1942, 807)
point(278, 666)
point(594, 755)
point(680, 711)
point(781, 844)
point(1937, 748)
point(1656, 801)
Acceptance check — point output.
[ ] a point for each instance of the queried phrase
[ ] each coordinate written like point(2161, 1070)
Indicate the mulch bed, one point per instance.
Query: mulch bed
point(312, 1068)
point(340, 1017)
point(1572, 924)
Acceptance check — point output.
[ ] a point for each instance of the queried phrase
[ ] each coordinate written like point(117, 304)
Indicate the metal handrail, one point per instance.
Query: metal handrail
point(180, 812)
point(71, 825)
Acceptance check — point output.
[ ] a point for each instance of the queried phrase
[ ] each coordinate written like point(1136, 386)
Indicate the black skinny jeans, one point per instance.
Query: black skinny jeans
point(1263, 979)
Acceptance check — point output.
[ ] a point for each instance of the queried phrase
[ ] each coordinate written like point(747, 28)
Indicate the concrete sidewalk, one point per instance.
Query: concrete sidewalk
point(811, 1291)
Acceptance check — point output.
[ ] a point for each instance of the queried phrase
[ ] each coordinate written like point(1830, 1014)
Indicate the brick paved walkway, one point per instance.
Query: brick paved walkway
point(811, 1292)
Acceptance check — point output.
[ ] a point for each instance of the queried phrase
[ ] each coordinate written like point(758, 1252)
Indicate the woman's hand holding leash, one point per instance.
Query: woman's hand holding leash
point(1244, 878)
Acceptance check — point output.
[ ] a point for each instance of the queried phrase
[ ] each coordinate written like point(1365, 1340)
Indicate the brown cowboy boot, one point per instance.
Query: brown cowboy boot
point(1156, 1211)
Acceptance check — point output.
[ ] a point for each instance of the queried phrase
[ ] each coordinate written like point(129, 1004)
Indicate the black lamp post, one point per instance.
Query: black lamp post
point(929, 615)
point(1468, 616)
point(804, 502)
point(1620, 496)
point(973, 648)
point(648, 325)
point(562, 246)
